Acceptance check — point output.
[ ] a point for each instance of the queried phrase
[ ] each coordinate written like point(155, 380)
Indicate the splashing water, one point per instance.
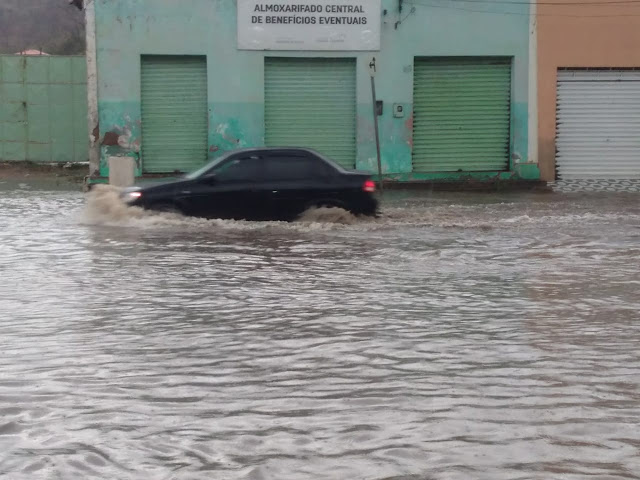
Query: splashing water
point(328, 215)
point(105, 207)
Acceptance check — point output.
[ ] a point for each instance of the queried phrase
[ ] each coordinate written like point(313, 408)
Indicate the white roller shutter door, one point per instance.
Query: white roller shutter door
point(598, 124)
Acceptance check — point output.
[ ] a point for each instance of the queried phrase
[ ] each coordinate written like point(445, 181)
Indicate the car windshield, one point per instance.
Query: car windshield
point(204, 169)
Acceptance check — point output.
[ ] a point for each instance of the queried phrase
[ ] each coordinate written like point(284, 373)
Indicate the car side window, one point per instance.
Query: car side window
point(287, 167)
point(240, 169)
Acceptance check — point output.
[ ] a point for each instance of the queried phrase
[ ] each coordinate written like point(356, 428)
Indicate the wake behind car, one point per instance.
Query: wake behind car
point(260, 184)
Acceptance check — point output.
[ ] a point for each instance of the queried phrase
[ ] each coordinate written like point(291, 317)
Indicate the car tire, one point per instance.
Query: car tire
point(326, 204)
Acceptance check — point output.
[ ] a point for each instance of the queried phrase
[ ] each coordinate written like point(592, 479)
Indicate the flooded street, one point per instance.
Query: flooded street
point(460, 336)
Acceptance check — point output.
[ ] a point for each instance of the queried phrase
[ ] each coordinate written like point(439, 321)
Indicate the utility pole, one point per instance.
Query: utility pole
point(372, 72)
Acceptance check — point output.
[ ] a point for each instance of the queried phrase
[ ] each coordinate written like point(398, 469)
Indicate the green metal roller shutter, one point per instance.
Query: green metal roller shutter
point(312, 103)
point(174, 113)
point(461, 115)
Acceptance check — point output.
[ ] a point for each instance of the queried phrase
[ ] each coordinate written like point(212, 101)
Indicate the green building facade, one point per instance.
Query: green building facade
point(179, 83)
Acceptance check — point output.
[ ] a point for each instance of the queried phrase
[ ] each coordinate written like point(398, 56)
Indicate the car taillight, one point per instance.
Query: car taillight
point(369, 186)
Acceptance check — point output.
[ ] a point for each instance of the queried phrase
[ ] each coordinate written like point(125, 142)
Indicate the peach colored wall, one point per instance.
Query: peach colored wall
point(591, 40)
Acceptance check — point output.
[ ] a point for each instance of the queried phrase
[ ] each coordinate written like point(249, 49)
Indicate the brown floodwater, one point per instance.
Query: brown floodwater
point(459, 336)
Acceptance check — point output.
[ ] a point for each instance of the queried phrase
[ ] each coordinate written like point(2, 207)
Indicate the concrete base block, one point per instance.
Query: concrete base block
point(122, 171)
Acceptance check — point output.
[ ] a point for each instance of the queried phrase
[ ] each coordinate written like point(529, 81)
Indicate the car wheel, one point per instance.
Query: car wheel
point(327, 204)
point(327, 211)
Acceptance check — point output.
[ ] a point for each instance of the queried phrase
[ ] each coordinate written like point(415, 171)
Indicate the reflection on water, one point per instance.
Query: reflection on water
point(456, 337)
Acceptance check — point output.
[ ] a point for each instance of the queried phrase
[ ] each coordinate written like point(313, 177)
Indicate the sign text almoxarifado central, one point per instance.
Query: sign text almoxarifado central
point(346, 25)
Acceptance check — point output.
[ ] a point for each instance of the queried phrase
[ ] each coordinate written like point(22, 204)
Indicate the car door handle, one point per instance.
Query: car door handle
point(274, 191)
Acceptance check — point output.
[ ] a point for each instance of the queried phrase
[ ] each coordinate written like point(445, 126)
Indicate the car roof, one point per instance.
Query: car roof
point(286, 149)
point(272, 149)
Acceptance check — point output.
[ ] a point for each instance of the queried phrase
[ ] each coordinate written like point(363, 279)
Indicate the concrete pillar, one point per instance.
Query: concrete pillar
point(532, 154)
point(92, 87)
point(122, 171)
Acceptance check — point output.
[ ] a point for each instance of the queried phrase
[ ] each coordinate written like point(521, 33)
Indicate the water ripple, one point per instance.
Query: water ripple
point(456, 337)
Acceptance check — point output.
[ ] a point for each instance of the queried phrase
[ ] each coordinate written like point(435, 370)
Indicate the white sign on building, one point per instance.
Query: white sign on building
point(309, 24)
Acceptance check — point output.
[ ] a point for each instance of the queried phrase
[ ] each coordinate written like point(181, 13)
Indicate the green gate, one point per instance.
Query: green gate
point(312, 103)
point(43, 109)
point(174, 113)
point(461, 115)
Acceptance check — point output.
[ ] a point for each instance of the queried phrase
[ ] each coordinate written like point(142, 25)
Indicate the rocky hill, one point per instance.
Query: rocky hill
point(52, 26)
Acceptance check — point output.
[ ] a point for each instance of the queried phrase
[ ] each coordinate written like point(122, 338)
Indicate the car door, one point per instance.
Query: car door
point(295, 181)
point(232, 189)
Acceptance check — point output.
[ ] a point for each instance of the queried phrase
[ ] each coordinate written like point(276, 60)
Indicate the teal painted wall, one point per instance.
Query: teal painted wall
point(127, 29)
point(43, 109)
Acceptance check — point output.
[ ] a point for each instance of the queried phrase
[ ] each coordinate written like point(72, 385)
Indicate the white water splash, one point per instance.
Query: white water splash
point(105, 207)
point(328, 215)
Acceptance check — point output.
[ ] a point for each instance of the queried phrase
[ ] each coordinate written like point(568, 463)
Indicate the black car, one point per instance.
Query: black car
point(261, 184)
